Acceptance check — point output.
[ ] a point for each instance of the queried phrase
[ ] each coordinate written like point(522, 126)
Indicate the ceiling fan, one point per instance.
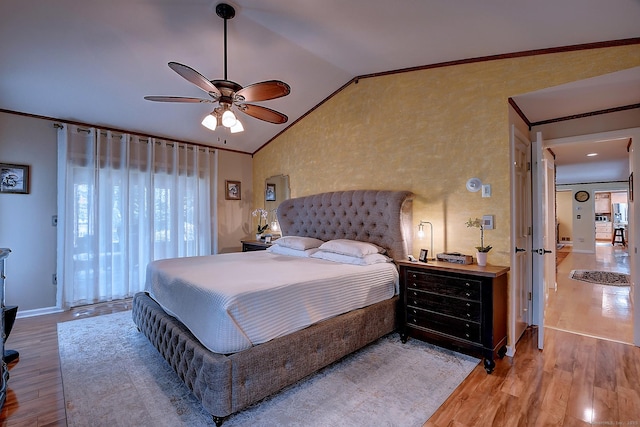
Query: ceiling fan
point(228, 94)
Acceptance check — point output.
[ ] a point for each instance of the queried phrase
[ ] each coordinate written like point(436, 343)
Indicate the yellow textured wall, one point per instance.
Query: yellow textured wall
point(428, 131)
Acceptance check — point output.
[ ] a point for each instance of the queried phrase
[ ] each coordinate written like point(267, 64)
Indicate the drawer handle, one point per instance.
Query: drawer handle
point(468, 314)
point(468, 305)
point(467, 283)
point(467, 335)
point(415, 294)
point(466, 324)
point(415, 302)
point(468, 294)
point(414, 320)
point(414, 276)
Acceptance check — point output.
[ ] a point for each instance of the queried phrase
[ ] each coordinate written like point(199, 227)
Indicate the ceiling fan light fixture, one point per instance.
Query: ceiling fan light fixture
point(229, 119)
point(237, 127)
point(227, 93)
point(210, 121)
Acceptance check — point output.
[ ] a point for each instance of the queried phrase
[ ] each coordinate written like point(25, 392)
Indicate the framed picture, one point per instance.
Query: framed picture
point(631, 187)
point(232, 190)
point(423, 255)
point(270, 193)
point(267, 239)
point(14, 178)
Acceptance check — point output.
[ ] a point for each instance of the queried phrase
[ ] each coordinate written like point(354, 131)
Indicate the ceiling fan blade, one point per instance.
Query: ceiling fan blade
point(176, 99)
point(263, 91)
point(263, 113)
point(195, 77)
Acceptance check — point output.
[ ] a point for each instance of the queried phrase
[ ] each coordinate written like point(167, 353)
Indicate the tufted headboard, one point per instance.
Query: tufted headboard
point(379, 217)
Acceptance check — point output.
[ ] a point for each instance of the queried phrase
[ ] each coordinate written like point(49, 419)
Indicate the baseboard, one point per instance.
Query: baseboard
point(38, 312)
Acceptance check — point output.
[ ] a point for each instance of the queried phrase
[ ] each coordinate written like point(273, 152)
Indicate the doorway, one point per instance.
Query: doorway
point(593, 309)
point(597, 310)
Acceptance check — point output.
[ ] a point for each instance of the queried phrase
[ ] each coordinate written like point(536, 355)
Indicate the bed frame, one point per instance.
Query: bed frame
point(226, 384)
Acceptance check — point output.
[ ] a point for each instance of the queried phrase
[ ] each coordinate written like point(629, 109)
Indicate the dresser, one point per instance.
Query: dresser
point(460, 307)
point(4, 253)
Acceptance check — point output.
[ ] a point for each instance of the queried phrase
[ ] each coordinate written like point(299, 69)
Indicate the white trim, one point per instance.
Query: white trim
point(38, 312)
point(592, 137)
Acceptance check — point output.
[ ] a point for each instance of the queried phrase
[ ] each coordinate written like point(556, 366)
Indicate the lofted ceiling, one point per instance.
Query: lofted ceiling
point(93, 61)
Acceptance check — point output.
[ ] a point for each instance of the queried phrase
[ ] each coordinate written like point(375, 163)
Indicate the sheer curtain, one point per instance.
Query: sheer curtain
point(123, 201)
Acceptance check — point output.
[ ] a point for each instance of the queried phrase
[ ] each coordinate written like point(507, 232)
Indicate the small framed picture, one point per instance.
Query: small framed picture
point(14, 178)
point(423, 255)
point(232, 190)
point(270, 193)
point(267, 239)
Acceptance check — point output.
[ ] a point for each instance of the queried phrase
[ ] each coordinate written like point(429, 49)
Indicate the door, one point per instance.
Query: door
point(543, 232)
point(521, 258)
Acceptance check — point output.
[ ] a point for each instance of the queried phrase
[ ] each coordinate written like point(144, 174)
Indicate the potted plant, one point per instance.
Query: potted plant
point(261, 214)
point(482, 250)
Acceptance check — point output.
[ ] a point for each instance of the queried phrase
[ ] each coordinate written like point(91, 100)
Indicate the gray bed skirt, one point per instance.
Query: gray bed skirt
point(226, 384)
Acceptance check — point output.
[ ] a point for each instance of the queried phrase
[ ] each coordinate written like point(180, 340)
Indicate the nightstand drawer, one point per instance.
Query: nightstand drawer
point(454, 307)
point(466, 330)
point(254, 245)
point(452, 286)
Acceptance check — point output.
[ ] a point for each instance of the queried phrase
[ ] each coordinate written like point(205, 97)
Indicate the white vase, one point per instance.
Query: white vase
point(482, 258)
point(258, 236)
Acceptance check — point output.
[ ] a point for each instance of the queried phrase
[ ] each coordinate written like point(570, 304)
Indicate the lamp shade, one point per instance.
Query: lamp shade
point(210, 121)
point(228, 118)
point(237, 127)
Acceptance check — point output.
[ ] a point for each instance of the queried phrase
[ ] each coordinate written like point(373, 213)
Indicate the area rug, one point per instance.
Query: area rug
point(600, 277)
point(113, 376)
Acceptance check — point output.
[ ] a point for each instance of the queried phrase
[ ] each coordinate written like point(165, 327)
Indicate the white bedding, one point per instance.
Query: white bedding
point(233, 301)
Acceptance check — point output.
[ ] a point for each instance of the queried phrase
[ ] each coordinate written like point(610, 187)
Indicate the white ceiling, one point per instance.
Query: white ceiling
point(93, 61)
point(610, 164)
point(612, 90)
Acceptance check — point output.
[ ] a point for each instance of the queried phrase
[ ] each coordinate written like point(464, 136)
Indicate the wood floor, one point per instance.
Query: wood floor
point(591, 309)
point(35, 396)
point(577, 380)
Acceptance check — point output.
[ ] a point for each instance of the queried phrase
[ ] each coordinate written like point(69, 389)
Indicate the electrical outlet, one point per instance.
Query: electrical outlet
point(54, 279)
point(54, 220)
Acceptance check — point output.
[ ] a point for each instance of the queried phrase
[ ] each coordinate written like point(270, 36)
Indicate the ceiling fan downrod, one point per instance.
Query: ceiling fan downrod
point(226, 12)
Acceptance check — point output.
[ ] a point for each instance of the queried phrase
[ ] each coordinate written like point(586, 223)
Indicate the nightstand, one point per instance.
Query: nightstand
point(254, 245)
point(460, 307)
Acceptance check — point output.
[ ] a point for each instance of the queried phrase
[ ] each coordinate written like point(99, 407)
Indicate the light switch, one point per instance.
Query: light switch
point(486, 190)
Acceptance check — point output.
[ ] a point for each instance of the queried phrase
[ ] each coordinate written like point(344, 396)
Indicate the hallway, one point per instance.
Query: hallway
point(594, 310)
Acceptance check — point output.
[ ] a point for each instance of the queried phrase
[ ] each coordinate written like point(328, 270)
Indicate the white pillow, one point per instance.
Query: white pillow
point(281, 250)
point(347, 259)
point(297, 242)
point(351, 247)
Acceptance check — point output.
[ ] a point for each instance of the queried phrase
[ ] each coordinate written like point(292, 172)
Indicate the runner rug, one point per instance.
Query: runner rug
point(113, 376)
point(600, 277)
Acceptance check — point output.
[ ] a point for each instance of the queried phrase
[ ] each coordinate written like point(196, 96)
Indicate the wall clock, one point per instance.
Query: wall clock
point(582, 196)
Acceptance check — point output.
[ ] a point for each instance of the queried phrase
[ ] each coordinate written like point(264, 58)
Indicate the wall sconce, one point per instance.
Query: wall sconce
point(474, 185)
point(421, 236)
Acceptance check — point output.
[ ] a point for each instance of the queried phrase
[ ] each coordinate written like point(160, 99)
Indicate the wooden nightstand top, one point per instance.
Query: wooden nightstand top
point(473, 269)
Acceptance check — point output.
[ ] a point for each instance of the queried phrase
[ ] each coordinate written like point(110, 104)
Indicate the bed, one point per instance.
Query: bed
point(232, 378)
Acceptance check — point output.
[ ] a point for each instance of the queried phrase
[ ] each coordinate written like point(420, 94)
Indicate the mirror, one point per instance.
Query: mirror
point(275, 192)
